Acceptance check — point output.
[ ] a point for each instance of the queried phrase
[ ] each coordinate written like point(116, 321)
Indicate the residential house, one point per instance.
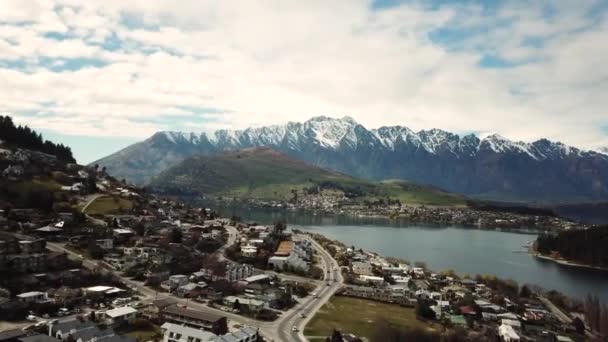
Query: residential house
point(252, 305)
point(33, 297)
point(362, 268)
point(198, 319)
point(120, 314)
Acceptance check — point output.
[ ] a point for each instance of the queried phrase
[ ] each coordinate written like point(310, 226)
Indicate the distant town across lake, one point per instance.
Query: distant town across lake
point(464, 250)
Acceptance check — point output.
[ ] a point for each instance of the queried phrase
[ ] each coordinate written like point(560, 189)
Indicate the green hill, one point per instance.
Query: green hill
point(263, 173)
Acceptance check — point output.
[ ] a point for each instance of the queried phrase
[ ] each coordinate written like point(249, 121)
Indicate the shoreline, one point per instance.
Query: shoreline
point(568, 263)
point(391, 218)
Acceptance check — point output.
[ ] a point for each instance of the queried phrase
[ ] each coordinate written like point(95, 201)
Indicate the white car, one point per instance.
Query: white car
point(31, 318)
point(294, 328)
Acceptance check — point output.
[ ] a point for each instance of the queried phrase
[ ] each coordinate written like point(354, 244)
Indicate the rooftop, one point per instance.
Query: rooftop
point(122, 311)
point(192, 314)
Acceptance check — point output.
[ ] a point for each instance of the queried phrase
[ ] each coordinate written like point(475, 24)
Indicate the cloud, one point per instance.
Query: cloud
point(129, 68)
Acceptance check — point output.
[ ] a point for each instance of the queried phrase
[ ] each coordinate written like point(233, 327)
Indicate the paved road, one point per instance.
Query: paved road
point(278, 330)
point(91, 199)
point(556, 311)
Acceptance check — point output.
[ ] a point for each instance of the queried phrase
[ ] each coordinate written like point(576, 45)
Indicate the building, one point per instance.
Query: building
point(252, 305)
point(121, 314)
point(249, 251)
point(119, 262)
point(372, 279)
point(179, 333)
point(105, 243)
point(174, 282)
point(194, 318)
point(33, 297)
point(362, 268)
point(236, 272)
point(507, 333)
point(38, 338)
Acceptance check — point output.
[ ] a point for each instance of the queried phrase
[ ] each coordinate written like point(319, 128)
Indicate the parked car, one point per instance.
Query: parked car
point(294, 328)
point(31, 318)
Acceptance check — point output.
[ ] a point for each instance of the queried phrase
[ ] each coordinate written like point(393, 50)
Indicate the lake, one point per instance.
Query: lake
point(464, 250)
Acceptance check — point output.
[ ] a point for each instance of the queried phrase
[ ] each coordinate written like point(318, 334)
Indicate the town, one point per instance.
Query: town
point(111, 262)
point(331, 204)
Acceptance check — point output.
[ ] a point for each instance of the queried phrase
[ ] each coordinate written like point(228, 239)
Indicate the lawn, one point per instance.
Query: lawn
point(359, 316)
point(108, 205)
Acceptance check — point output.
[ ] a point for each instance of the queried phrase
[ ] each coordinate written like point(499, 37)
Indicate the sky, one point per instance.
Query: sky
point(102, 74)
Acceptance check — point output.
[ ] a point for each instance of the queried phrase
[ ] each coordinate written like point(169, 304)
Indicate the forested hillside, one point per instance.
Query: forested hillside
point(25, 137)
point(583, 246)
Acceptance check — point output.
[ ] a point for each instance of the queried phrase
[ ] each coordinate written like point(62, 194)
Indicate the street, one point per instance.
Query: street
point(279, 330)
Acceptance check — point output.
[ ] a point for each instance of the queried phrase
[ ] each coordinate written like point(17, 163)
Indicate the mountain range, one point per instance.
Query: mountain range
point(493, 167)
point(263, 173)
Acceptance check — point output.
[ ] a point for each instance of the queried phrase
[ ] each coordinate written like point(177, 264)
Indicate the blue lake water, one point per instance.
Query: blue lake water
point(465, 250)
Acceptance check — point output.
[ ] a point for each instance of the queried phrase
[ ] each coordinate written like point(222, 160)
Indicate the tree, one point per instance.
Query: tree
point(424, 310)
point(579, 325)
point(140, 229)
point(336, 336)
point(236, 306)
point(525, 292)
point(176, 235)
point(95, 251)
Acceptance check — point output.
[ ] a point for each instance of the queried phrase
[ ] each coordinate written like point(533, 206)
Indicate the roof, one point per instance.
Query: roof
point(508, 331)
point(118, 338)
point(257, 277)
point(122, 311)
point(458, 319)
point(285, 248)
point(123, 231)
point(99, 288)
point(193, 314)
point(39, 338)
point(49, 229)
point(188, 331)
point(11, 334)
point(30, 294)
point(72, 324)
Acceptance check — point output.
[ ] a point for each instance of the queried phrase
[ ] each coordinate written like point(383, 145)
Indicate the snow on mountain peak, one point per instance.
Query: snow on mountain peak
point(335, 133)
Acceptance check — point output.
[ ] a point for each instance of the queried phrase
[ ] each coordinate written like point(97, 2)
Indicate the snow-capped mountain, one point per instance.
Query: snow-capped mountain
point(493, 166)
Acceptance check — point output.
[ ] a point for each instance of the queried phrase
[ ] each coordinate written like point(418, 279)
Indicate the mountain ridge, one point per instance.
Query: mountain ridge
point(266, 174)
point(492, 167)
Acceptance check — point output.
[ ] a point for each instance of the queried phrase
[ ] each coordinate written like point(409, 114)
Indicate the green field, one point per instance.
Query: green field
point(266, 174)
point(108, 205)
point(359, 316)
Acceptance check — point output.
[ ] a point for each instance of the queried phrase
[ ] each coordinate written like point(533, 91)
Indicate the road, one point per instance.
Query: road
point(556, 311)
point(311, 305)
point(278, 330)
point(91, 199)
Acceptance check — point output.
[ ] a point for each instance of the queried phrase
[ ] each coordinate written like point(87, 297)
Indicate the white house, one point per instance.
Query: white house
point(507, 333)
point(33, 297)
point(124, 313)
point(372, 279)
point(181, 333)
point(362, 268)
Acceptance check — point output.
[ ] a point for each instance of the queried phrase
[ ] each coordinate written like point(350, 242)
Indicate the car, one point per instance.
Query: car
point(294, 328)
point(31, 318)
point(302, 315)
point(46, 316)
point(327, 283)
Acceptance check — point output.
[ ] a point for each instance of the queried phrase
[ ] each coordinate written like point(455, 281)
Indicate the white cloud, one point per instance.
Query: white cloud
point(276, 61)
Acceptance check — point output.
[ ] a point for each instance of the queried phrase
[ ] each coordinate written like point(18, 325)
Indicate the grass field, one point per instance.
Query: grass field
point(108, 205)
point(359, 316)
